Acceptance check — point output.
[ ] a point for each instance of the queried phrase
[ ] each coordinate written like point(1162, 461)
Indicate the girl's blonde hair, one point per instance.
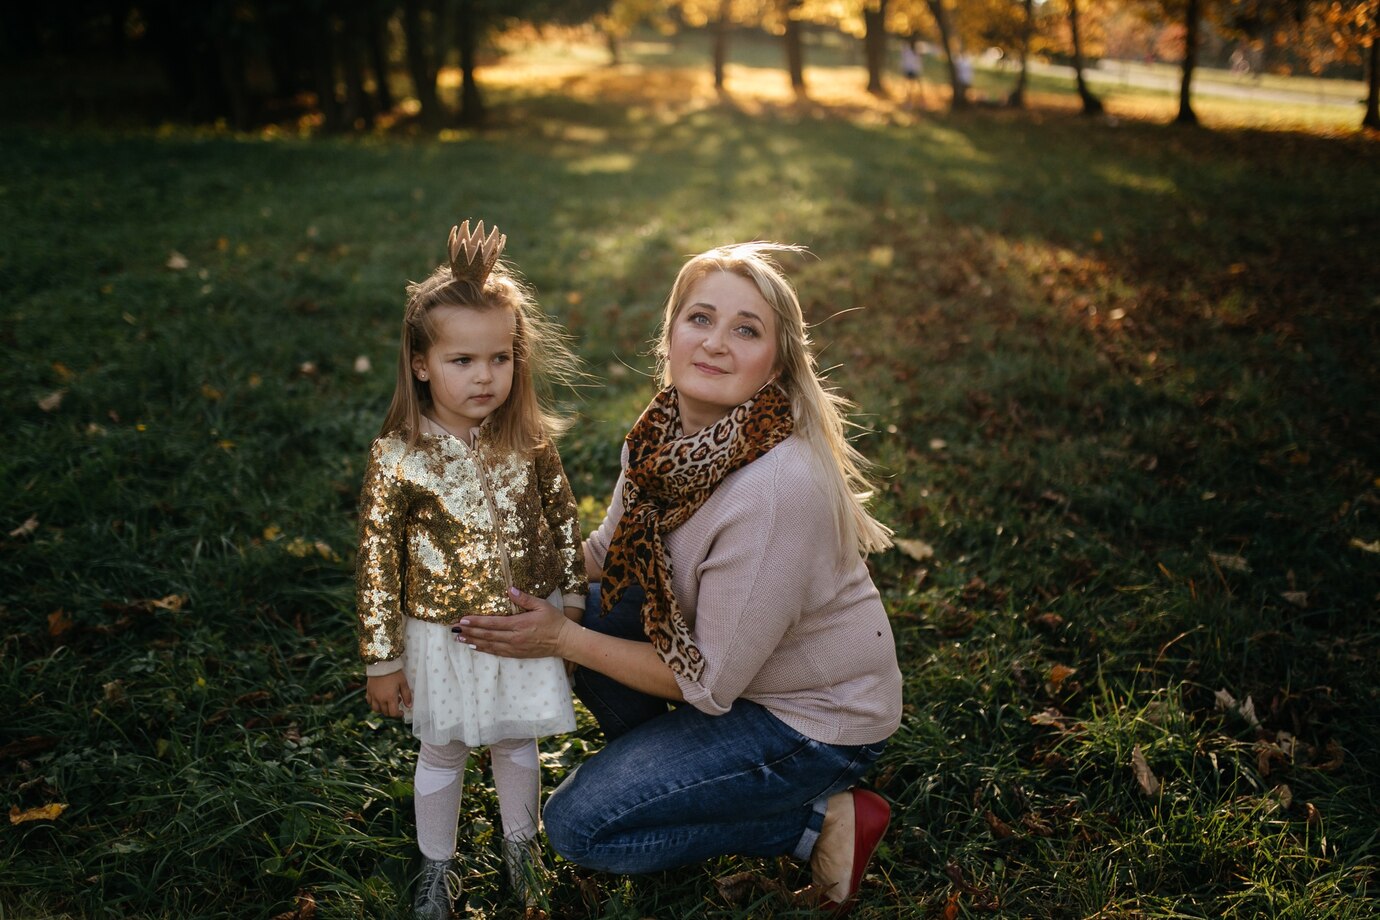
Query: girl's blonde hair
point(541, 353)
point(820, 414)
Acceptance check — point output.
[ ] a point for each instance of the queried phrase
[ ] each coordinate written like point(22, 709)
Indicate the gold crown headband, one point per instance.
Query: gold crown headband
point(472, 255)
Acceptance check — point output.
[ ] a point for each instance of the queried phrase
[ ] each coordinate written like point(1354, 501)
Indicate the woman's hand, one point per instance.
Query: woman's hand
point(540, 631)
point(388, 694)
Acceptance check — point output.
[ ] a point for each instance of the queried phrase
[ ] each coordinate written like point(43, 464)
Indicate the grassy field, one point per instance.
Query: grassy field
point(1119, 380)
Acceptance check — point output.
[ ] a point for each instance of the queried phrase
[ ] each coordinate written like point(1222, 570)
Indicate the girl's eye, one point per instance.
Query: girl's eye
point(503, 359)
point(462, 361)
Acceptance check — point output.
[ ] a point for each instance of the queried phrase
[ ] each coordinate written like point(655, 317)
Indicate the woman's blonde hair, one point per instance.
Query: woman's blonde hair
point(821, 415)
point(541, 353)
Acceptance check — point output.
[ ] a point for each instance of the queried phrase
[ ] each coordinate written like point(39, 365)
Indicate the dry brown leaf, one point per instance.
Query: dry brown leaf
point(51, 402)
point(1314, 815)
point(999, 828)
point(1297, 598)
point(58, 623)
point(1230, 562)
point(172, 603)
point(1283, 794)
point(918, 550)
point(1048, 621)
point(177, 261)
point(1145, 777)
point(28, 527)
point(1371, 547)
point(41, 813)
point(303, 909)
point(1058, 674)
point(951, 906)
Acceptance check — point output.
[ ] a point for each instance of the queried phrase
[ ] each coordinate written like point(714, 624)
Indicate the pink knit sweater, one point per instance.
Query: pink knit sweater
point(784, 616)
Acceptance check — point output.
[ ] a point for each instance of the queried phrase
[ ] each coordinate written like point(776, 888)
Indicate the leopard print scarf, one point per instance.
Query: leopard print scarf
point(667, 480)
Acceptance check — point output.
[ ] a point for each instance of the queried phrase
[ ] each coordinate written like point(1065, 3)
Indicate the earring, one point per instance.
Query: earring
point(422, 375)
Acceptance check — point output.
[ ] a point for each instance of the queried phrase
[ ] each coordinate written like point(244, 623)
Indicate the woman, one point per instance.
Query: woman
point(738, 657)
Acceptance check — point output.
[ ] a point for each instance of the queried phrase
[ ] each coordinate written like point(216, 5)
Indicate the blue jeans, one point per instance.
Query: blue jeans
point(676, 786)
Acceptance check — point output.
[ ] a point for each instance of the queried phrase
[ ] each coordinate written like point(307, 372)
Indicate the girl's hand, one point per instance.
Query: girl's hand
point(388, 693)
point(540, 631)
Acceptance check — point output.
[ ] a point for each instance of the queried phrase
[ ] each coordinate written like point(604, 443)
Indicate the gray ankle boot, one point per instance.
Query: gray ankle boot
point(438, 885)
point(522, 860)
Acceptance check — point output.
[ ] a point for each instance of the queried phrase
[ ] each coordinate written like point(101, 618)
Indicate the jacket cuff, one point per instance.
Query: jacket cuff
point(380, 668)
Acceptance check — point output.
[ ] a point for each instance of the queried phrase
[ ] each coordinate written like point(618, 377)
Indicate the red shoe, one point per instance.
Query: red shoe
point(871, 815)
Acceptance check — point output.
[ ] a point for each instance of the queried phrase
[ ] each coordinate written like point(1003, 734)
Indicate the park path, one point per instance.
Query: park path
point(1110, 74)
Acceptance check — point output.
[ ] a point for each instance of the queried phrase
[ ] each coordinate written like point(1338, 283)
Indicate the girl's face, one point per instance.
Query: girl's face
point(722, 348)
point(469, 366)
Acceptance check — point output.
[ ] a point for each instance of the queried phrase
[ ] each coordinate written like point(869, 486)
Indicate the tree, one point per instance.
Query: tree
point(1091, 104)
point(1192, 17)
point(874, 44)
point(1017, 97)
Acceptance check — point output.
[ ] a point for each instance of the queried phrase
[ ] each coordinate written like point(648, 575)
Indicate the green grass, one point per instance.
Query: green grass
point(1100, 363)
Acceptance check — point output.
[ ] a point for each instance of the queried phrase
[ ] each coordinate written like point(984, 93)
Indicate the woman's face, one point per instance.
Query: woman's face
point(722, 348)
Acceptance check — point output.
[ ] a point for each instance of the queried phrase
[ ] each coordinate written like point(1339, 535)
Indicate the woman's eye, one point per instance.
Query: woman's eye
point(699, 319)
point(747, 332)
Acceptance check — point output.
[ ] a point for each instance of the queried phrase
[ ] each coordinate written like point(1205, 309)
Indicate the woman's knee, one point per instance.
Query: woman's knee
point(568, 820)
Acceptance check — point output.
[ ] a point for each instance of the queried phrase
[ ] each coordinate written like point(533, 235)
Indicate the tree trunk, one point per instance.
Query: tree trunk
point(467, 25)
point(1017, 98)
point(1372, 119)
point(418, 65)
point(795, 52)
point(1091, 104)
point(1191, 15)
point(721, 44)
point(229, 55)
point(375, 34)
point(323, 70)
point(874, 45)
point(359, 107)
point(941, 20)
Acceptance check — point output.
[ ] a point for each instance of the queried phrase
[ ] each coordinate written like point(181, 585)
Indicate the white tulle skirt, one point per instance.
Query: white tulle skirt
point(459, 694)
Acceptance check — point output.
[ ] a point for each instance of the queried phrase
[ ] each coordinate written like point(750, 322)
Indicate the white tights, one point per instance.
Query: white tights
point(440, 781)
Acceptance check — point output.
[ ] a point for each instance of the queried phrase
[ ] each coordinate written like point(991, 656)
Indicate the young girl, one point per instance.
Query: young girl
point(464, 497)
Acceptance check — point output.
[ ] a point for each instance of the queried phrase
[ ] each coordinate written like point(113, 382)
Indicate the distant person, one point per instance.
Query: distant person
point(463, 496)
point(910, 69)
point(735, 624)
point(963, 69)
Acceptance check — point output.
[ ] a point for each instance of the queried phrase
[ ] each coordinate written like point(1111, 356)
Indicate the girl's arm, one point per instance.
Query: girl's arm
point(542, 631)
point(382, 525)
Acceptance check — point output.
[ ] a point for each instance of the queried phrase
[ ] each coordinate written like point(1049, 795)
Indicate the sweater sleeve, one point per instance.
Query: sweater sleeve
point(598, 542)
point(753, 586)
point(379, 572)
point(563, 518)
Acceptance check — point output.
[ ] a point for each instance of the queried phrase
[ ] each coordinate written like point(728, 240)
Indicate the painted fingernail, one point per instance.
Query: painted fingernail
point(514, 592)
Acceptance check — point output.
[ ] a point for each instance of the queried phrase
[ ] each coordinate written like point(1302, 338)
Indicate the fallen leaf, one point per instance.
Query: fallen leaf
point(27, 747)
point(951, 907)
point(42, 813)
point(1060, 673)
point(1297, 598)
point(918, 550)
point(1049, 621)
point(1371, 547)
point(172, 603)
point(177, 261)
point(999, 828)
point(1145, 777)
point(1314, 815)
point(211, 392)
point(1230, 562)
point(272, 532)
point(63, 371)
point(58, 623)
point(51, 402)
point(363, 365)
point(1246, 710)
point(28, 527)
point(304, 908)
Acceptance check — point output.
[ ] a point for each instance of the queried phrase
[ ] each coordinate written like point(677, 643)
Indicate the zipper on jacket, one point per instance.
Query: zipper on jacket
point(498, 525)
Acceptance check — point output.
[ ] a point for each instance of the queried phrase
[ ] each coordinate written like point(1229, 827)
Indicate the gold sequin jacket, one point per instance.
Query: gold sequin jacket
point(445, 528)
